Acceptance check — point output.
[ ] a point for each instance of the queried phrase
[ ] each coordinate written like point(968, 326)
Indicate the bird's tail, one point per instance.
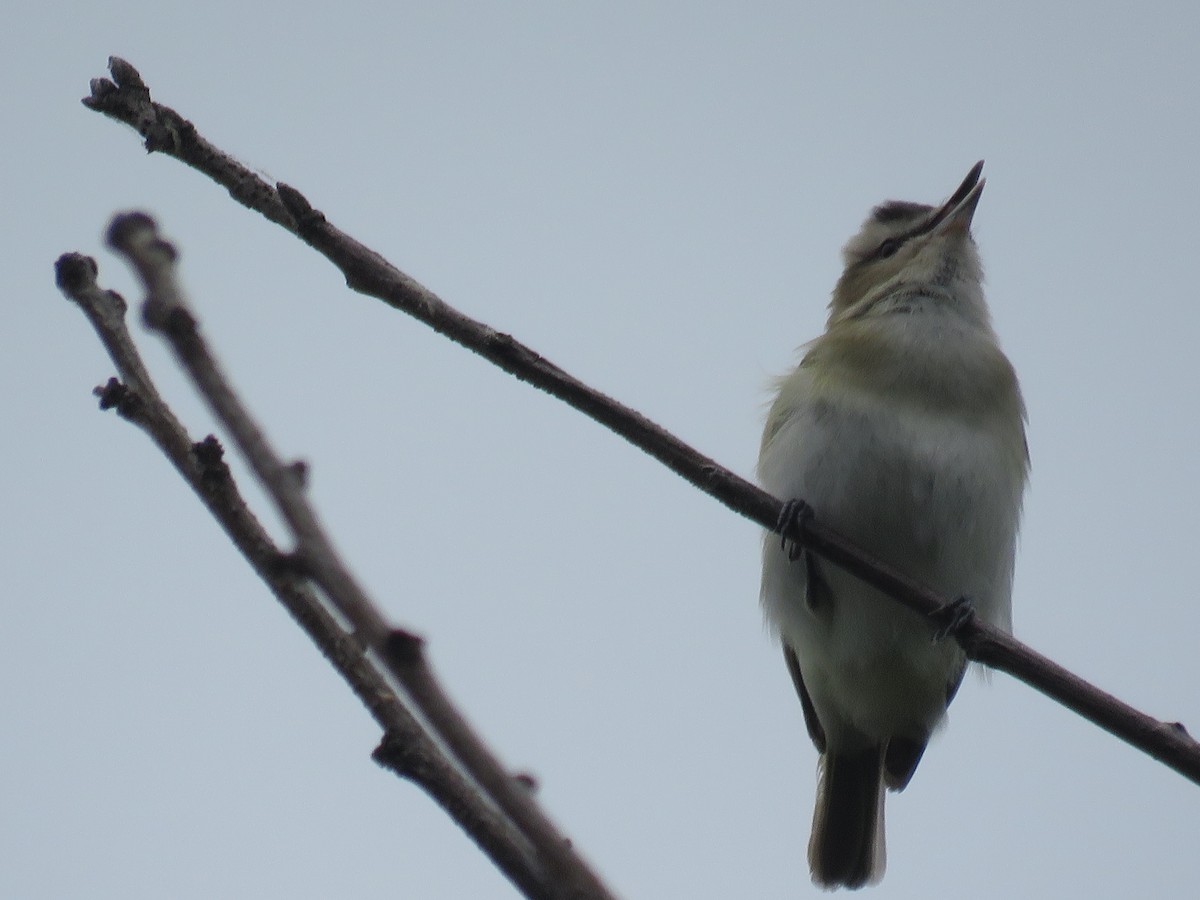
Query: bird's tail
point(847, 847)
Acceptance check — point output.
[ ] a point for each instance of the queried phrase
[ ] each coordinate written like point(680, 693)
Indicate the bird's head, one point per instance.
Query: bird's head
point(907, 248)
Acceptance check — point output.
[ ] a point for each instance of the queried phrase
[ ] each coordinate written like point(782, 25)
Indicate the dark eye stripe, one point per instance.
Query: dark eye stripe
point(887, 248)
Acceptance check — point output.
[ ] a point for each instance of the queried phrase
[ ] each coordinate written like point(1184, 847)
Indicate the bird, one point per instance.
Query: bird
point(902, 428)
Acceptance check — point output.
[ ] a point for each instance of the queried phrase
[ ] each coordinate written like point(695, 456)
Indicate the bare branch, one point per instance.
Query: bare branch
point(128, 100)
point(135, 236)
point(406, 747)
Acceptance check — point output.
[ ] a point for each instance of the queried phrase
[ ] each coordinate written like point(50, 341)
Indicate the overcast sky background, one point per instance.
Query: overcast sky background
point(653, 195)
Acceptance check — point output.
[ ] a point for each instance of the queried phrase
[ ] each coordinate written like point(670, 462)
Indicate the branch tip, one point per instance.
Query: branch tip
point(101, 90)
point(74, 272)
point(126, 230)
point(125, 75)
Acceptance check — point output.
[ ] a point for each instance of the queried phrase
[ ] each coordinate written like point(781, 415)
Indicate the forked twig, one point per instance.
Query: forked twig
point(537, 859)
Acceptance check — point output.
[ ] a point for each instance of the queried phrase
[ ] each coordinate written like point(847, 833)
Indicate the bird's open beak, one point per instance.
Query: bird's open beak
point(958, 211)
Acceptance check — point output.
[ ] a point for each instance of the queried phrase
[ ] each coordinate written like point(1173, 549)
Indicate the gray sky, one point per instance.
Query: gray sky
point(653, 195)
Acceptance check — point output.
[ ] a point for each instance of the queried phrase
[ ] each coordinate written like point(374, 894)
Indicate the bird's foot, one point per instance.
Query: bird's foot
point(793, 514)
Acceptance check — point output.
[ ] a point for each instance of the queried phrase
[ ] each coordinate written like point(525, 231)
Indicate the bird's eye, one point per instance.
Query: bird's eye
point(887, 248)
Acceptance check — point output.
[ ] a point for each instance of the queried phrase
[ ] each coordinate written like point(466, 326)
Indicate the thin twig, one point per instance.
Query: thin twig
point(127, 99)
point(406, 747)
point(166, 311)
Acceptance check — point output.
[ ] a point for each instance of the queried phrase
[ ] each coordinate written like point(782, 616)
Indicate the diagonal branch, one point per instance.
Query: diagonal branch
point(166, 311)
point(127, 99)
point(407, 747)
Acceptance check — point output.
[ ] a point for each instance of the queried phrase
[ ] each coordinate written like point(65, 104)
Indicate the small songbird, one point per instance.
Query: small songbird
point(903, 428)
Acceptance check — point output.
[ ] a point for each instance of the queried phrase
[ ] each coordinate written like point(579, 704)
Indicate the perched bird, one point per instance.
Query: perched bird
point(903, 428)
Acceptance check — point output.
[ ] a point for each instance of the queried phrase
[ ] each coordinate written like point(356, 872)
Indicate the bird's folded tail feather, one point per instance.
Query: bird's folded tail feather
point(847, 844)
